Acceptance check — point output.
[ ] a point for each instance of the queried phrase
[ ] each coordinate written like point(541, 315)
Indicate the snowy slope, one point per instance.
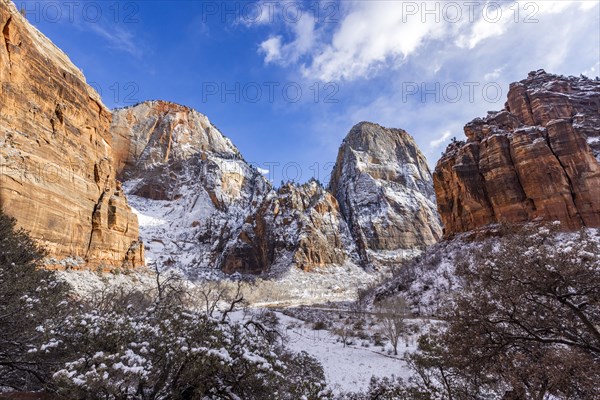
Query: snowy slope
point(204, 210)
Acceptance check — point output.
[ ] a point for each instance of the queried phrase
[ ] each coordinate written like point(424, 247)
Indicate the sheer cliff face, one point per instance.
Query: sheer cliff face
point(536, 159)
point(56, 166)
point(202, 206)
point(191, 181)
point(156, 139)
point(385, 192)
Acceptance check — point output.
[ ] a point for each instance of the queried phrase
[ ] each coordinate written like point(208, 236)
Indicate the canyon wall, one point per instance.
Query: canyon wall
point(384, 187)
point(202, 206)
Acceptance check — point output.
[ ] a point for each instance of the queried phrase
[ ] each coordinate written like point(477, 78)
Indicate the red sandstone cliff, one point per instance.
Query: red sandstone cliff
point(536, 159)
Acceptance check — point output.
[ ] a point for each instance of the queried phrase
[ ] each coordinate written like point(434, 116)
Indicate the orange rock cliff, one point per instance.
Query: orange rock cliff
point(57, 176)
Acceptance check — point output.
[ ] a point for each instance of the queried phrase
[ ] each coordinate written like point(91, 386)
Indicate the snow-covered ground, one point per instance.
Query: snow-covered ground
point(347, 368)
point(336, 284)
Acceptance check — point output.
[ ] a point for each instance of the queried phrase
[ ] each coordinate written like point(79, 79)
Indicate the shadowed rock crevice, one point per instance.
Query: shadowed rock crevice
point(6, 35)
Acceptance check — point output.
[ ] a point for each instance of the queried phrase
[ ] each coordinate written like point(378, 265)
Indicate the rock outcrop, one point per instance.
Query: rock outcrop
point(538, 159)
point(299, 225)
point(209, 209)
point(56, 163)
point(385, 191)
point(202, 207)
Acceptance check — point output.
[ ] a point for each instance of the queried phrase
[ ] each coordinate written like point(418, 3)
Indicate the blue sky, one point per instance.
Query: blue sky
point(427, 67)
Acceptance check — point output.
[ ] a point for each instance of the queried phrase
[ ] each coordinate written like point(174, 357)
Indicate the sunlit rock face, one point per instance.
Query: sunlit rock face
point(538, 159)
point(57, 175)
point(385, 191)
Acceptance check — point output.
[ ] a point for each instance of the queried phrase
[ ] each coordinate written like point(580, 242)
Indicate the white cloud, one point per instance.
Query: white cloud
point(434, 144)
point(495, 74)
point(271, 49)
point(372, 36)
point(588, 4)
point(119, 39)
point(368, 40)
point(304, 42)
point(262, 171)
point(485, 27)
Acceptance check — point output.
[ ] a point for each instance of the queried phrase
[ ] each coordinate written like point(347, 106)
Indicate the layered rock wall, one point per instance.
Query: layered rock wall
point(56, 163)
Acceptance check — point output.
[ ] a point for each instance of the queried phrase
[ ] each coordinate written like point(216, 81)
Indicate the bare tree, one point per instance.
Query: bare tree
point(344, 332)
point(168, 284)
point(391, 312)
point(218, 297)
point(525, 323)
point(31, 299)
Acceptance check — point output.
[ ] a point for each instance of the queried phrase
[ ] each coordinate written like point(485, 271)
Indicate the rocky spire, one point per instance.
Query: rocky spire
point(384, 188)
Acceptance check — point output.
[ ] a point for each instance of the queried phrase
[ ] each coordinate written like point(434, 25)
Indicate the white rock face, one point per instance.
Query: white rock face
point(385, 191)
point(202, 208)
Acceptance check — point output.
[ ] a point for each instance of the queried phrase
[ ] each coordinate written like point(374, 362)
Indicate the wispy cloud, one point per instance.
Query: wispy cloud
point(271, 48)
point(434, 144)
point(305, 41)
point(495, 74)
point(118, 38)
point(373, 36)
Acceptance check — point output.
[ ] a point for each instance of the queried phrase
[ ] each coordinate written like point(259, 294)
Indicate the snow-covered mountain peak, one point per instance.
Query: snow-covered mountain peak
point(203, 207)
point(385, 191)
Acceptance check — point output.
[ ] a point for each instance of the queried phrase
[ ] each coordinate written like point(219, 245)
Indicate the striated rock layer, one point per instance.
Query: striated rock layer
point(56, 163)
point(536, 159)
point(202, 206)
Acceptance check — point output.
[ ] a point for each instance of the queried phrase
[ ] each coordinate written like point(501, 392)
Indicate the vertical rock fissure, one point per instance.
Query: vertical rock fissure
point(87, 254)
point(512, 161)
point(486, 196)
point(529, 109)
point(564, 169)
point(6, 35)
